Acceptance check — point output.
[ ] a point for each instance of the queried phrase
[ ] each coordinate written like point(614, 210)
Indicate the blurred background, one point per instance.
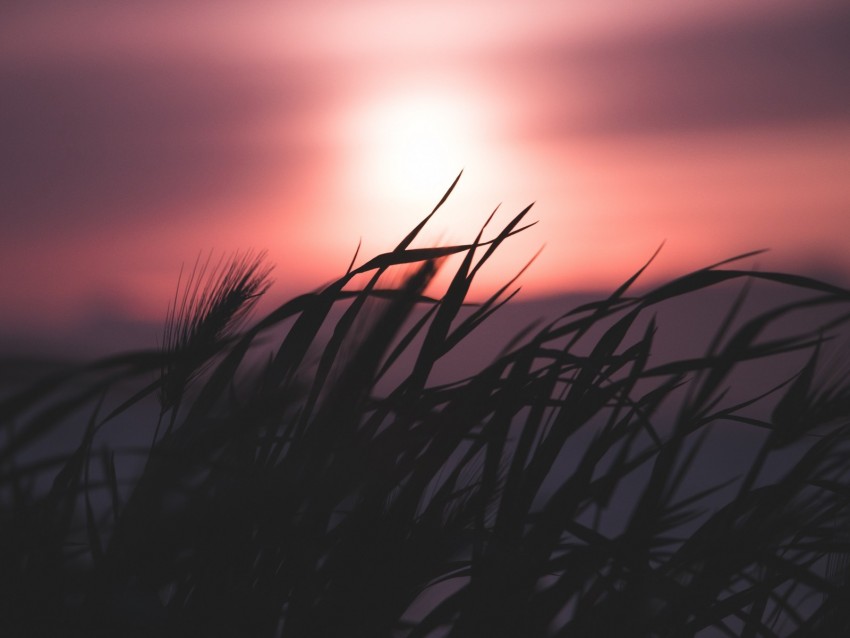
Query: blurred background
point(135, 137)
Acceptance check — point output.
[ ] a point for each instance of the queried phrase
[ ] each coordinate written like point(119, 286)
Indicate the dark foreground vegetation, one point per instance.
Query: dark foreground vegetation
point(306, 476)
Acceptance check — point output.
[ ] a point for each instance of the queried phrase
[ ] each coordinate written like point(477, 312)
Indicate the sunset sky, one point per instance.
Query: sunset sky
point(136, 135)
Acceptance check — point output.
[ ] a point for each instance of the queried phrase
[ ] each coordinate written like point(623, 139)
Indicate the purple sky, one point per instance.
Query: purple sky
point(134, 136)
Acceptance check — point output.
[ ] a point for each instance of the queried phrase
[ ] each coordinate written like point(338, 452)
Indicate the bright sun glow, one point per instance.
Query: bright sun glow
point(414, 144)
point(403, 150)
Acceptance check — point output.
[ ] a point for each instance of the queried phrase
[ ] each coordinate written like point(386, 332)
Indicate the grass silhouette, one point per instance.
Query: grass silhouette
point(288, 496)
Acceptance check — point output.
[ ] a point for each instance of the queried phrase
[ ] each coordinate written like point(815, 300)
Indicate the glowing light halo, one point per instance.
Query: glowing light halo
point(409, 145)
point(403, 149)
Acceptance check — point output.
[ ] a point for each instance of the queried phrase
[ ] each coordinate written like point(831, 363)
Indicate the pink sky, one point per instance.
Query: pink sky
point(134, 136)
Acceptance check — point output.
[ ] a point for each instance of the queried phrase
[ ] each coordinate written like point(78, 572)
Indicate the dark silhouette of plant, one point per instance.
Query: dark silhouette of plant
point(551, 493)
point(201, 320)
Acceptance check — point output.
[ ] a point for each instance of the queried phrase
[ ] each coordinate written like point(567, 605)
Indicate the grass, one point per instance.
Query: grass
point(283, 494)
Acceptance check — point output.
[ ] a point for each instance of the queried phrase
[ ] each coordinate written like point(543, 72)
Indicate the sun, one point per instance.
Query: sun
point(402, 147)
point(421, 140)
point(411, 144)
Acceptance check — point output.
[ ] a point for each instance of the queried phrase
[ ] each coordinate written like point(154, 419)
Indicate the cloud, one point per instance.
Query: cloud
point(764, 70)
point(89, 141)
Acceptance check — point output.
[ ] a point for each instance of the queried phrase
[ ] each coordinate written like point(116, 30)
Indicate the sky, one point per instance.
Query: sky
point(136, 136)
